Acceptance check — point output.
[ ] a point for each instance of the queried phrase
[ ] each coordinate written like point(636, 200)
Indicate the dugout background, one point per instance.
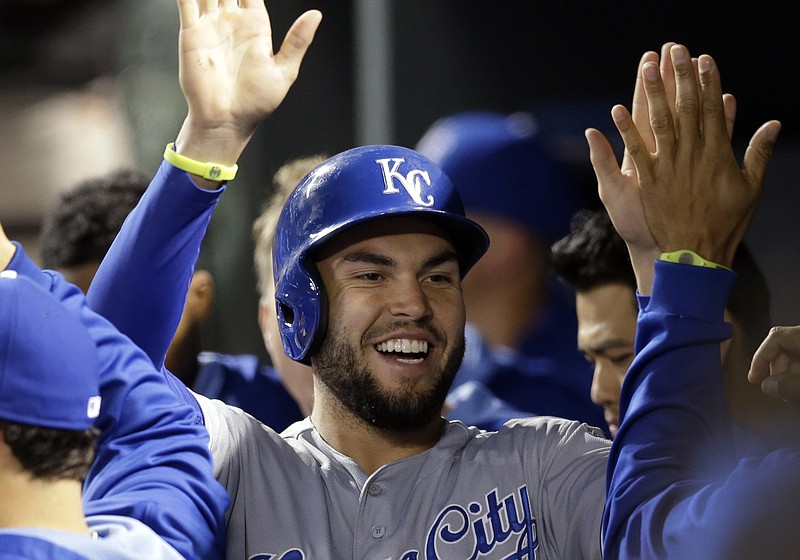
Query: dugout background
point(569, 62)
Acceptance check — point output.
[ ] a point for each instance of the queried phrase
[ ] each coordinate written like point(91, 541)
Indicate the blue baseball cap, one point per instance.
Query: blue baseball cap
point(501, 164)
point(49, 365)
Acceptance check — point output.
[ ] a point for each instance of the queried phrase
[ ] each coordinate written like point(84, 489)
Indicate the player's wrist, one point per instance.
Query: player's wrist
point(687, 256)
point(208, 170)
point(221, 144)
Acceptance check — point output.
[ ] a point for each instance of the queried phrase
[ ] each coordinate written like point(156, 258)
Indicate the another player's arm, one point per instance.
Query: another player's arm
point(693, 196)
point(152, 461)
point(231, 80)
point(230, 77)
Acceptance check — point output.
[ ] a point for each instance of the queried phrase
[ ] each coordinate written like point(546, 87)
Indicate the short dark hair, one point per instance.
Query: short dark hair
point(51, 454)
point(88, 217)
point(592, 253)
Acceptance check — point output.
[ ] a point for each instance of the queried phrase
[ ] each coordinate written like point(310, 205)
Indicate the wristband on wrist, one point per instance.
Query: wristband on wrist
point(685, 256)
point(206, 170)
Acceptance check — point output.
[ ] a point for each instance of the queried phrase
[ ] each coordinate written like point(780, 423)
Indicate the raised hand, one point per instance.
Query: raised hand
point(694, 194)
point(618, 187)
point(679, 185)
point(229, 74)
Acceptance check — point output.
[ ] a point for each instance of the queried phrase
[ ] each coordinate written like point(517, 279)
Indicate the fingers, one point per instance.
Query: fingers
point(206, 6)
point(687, 102)
point(661, 121)
point(195, 8)
point(715, 126)
point(188, 13)
point(729, 106)
point(784, 386)
point(297, 41)
point(604, 161)
point(639, 108)
point(778, 353)
point(636, 148)
point(668, 76)
point(759, 151)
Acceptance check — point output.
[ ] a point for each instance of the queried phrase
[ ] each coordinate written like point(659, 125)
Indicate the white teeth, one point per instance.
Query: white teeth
point(403, 346)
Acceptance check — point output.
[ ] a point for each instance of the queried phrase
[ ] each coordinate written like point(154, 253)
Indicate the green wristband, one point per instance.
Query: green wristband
point(685, 256)
point(206, 170)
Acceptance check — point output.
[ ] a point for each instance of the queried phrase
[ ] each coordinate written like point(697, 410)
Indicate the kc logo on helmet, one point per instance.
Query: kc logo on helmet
point(412, 182)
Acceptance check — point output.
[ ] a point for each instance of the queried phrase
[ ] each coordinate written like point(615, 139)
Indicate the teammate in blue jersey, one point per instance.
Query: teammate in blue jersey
point(76, 236)
point(594, 260)
point(368, 257)
point(97, 457)
point(676, 488)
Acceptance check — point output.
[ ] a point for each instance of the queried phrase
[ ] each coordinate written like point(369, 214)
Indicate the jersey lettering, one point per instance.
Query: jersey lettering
point(496, 526)
point(293, 554)
point(412, 182)
point(486, 526)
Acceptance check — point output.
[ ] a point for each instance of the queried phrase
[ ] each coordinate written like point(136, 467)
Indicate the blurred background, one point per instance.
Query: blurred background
point(89, 86)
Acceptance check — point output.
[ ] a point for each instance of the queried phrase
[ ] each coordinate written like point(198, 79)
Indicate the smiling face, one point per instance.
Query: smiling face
point(606, 335)
point(395, 335)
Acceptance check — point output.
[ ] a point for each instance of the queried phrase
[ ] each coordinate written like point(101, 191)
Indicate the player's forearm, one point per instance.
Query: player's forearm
point(142, 283)
point(675, 425)
point(151, 450)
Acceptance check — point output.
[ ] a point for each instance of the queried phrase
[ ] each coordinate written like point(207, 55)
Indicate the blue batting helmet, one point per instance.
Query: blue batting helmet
point(350, 188)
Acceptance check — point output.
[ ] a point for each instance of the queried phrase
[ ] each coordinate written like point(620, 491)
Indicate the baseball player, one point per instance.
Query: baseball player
point(71, 385)
point(676, 486)
point(368, 256)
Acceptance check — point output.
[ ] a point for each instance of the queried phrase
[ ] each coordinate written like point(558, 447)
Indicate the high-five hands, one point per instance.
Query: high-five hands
point(679, 185)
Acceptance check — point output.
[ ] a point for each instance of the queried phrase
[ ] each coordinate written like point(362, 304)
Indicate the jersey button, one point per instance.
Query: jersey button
point(378, 531)
point(374, 489)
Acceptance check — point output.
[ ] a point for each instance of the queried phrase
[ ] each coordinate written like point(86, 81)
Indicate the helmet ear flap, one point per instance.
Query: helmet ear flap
point(302, 310)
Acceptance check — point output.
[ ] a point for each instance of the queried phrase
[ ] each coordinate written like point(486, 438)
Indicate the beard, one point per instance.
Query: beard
point(349, 379)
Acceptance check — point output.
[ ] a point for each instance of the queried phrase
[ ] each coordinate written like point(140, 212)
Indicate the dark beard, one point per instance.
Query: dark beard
point(336, 365)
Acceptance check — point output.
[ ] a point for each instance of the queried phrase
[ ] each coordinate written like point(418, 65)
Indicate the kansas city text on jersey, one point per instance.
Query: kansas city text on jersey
point(502, 528)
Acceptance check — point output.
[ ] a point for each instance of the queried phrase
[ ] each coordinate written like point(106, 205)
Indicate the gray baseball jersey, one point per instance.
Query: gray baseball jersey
point(533, 489)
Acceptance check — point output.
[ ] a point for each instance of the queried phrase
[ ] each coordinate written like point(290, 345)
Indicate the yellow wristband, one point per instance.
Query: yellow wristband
point(685, 256)
point(206, 170)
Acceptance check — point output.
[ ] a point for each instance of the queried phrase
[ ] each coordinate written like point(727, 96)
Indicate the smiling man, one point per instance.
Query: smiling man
point(369, 254)
point(368, 258)
point(367, 270)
